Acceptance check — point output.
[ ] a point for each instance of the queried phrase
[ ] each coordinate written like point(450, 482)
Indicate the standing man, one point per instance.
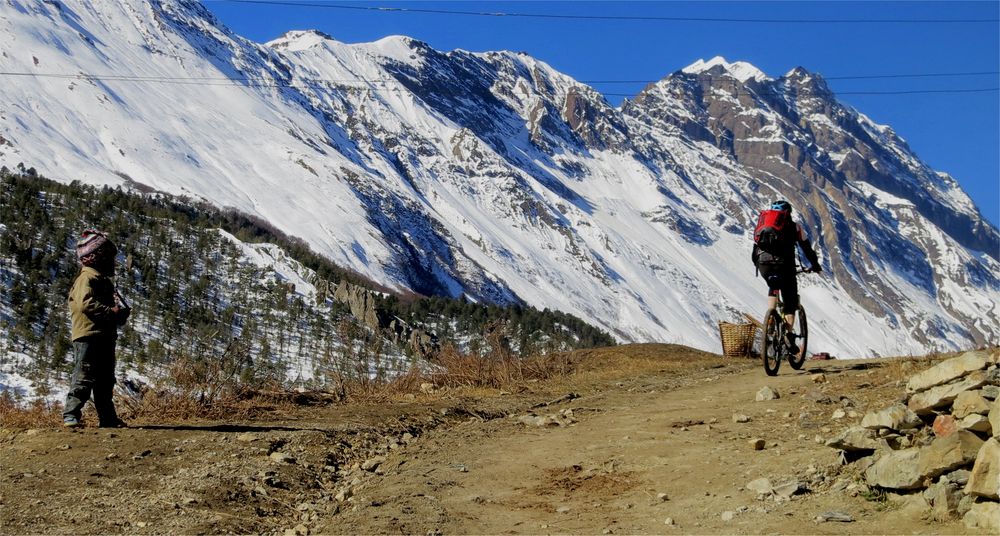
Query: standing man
point(774, 255)
point(97, 311)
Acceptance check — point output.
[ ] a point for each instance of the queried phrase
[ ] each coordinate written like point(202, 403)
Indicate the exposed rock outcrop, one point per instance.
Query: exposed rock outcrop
point(959, 469)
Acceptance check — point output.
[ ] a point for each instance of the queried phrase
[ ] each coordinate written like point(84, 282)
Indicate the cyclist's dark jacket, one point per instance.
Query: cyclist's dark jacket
point(786, 257)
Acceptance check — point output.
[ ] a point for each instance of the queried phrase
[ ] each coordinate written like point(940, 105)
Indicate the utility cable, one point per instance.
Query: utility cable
point(383, 9)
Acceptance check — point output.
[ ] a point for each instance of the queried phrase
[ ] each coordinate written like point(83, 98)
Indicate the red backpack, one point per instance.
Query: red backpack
point(773, 230)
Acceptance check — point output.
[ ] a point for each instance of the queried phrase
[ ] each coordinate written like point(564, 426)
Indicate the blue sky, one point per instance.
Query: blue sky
point(954, 132)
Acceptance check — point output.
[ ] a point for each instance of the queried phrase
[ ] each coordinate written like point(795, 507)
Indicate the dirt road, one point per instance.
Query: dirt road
point(654, 450)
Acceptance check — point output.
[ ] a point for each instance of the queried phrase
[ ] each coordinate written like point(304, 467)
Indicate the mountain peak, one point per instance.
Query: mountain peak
point(739, 70)
point(296, 40)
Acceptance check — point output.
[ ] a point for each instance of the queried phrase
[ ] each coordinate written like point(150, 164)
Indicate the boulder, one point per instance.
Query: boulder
point(944, 425)
point(896, 469)
point(985, 478)
point(949, 370)
point(855, 438)
point(924, 402)
point(948, 453)
point(969, 403)
point(766, 393)
point(984, 516)
point(991, 392)
point(976, 423)
point(895, 417)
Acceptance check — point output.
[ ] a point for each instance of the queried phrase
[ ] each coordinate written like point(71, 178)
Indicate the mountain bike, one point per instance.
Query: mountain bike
point(774, 346)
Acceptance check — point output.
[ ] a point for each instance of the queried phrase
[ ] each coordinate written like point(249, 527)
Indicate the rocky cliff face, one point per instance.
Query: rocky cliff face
point(794, 137)
point(494, 176)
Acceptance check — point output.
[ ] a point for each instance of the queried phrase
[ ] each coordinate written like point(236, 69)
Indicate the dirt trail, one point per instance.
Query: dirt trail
point(452, 464)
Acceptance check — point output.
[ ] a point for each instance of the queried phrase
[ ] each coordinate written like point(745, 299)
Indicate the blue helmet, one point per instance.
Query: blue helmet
point(782, 205)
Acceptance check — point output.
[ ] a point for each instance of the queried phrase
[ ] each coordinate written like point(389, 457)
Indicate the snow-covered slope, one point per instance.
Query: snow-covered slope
point(494, 176)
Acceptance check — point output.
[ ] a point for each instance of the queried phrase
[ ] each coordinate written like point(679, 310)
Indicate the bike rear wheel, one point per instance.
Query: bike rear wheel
point(770, 346)
point(797, 360)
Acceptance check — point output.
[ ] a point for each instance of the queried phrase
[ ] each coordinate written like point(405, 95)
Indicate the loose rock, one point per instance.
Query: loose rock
point(842, 517)
point(282, 457)
point(786, 490)
point(948, 453)
point(371, 464)
point(924, 402)
point(944, 425)
point(944, 498)
point(948, 370)
point(854, 439)
point(740, 418)
point(756, 444)
point(984, 516)
point(767, 393)
point(969, 403)
point(995, 417)
point(896, 469)
point(761, 486)
point(984, 481)
point(976, 423)
point(895, 417)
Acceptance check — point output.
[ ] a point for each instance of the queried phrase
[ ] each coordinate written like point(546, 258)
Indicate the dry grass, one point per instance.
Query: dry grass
point(231, 389)
point(40, 414)
point(496, 370)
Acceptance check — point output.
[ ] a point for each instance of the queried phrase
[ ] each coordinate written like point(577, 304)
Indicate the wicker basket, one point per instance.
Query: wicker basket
point(737, 339)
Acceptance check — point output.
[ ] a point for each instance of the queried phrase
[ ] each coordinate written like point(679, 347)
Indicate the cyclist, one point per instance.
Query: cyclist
point(774, 255)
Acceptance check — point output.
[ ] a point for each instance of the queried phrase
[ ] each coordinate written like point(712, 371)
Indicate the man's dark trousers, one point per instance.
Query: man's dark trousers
point(93, 374)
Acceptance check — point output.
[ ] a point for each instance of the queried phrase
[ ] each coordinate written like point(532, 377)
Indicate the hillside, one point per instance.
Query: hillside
point(495, 177)
point(638, 439)
point(213, 286)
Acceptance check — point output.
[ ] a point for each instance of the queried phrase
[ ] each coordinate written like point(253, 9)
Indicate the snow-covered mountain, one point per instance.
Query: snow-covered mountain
point(495, 176)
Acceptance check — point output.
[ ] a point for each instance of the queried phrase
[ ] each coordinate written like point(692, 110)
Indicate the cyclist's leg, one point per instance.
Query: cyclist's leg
point(773, 279)
point(790, 295)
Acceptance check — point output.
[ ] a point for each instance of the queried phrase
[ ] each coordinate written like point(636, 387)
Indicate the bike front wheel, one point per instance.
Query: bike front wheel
point(797, 360)
point(770, 346)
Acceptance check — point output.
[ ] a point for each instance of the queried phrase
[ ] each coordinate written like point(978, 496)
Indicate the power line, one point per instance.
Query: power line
point(383, 9)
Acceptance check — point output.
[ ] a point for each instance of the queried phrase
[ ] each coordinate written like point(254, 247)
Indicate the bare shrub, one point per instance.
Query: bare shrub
point(497, 367)
point(230, 386)
point(39, 414)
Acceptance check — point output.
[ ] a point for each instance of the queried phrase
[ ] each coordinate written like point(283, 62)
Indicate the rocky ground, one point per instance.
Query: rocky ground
point(640, 439)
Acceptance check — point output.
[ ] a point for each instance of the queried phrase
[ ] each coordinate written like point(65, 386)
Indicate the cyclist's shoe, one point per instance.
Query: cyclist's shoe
point(790, 343)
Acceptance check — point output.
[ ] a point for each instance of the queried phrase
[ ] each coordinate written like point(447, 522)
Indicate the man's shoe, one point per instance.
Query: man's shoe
point(117, 423)
point(72, 422)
